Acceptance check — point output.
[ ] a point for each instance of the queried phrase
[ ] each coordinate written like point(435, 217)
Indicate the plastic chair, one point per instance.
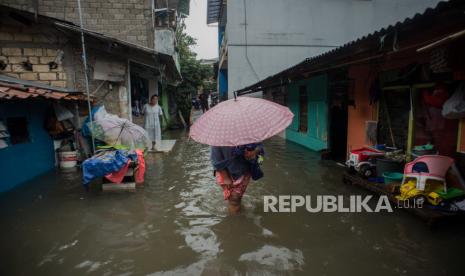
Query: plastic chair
point(428, 167)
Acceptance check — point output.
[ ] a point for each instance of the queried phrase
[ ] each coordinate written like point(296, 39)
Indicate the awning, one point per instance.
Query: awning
point(139, 50)
point(15, 89)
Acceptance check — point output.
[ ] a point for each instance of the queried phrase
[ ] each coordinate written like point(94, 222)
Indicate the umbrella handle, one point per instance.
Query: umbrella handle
point(119, 135)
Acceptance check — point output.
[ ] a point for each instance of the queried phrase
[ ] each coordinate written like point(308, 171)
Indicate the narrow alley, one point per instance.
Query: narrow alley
point(215, 137)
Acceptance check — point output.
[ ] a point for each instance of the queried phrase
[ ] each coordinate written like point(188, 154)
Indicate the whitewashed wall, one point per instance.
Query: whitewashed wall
point(283, 33)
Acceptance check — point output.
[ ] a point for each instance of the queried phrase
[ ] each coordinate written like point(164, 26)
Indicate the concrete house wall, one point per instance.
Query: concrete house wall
point(278, 34)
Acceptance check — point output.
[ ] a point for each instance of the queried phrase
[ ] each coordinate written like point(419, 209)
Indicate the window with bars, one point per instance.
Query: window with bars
point(18, 130)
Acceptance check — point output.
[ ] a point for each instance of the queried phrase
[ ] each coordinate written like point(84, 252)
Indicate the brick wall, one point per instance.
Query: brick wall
point(39, 45)
point(129, 20)
point(19, 47)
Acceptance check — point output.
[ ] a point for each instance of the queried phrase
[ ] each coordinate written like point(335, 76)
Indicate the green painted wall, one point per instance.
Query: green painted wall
point(316, 137)
point(165, 107)
point(164, 103)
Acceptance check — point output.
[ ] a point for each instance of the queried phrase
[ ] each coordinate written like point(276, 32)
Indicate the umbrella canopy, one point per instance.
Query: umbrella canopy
point(241, 121)
point(114, 130)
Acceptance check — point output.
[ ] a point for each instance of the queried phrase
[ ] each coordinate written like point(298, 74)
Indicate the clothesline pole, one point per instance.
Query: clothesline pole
point(84, 61)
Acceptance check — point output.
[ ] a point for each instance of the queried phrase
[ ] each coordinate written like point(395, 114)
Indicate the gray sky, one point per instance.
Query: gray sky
point(196, 26)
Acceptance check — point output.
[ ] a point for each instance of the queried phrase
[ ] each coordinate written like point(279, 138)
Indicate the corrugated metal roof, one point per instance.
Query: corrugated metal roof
point(69, 26)
point(17, 91)
point(441, 7)
point(213, 10)
point(169, 60)
point(77, 29)
point(28, 83)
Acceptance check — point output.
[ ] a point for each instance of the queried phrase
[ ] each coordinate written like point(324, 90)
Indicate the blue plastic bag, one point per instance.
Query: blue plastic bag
point(104, 163)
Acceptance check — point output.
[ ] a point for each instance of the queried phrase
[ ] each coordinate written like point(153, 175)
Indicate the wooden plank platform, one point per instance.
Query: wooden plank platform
point(119, 187)
point(163, 146)
point(431, 216)
point(128, 184)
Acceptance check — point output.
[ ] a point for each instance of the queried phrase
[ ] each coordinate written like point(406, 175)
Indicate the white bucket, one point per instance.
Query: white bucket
point(68, 159)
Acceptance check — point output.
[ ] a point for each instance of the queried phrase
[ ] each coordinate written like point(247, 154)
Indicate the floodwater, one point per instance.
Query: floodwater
point(178, 224)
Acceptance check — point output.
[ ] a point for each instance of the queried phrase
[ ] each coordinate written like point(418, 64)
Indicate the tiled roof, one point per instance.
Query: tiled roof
point(13, 91)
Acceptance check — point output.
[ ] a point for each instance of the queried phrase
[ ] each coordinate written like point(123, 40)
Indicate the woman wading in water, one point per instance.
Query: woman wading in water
point(152, 112)
point(235, 130)
point(234, 167)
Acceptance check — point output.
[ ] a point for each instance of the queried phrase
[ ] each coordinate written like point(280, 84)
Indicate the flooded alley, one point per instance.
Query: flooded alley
point(131, 133)
point(179, 225)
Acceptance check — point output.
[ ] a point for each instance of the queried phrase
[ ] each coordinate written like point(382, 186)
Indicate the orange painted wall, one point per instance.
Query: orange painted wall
point(363, 111)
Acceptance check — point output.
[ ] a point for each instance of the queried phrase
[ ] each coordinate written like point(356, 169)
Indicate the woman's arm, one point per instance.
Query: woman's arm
point(144, 109)
point(252, 154)
point(219, 164)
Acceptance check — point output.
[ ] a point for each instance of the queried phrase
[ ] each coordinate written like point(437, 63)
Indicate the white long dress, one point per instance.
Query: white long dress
point(152, 121)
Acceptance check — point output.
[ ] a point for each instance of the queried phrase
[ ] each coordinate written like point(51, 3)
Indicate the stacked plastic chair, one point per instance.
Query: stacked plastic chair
point(428, 167)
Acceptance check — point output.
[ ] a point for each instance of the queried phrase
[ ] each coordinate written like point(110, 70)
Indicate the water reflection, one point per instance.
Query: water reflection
point(178, 224)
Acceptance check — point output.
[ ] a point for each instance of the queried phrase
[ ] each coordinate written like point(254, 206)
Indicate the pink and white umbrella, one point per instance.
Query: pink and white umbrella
point(240, 121)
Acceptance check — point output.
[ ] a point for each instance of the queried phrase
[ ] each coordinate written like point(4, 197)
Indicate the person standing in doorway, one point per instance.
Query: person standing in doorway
point(152, 112)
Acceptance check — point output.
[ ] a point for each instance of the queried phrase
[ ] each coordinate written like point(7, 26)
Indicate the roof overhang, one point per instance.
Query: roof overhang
point(136, 53)
point(367, 48)
point(104, 43)
point(16, 89)
point(214, 9)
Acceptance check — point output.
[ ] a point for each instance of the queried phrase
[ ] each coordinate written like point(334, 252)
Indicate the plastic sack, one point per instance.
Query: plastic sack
point(104, 163)
point(454, 107)
point(100, 113)
point(61, 112)
point(140, 170)
point(117, 177)
point(436, 97)
point(85, 128)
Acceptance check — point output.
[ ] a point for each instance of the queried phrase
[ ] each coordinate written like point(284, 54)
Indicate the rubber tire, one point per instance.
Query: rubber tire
point(351, 170)
point(365, 171)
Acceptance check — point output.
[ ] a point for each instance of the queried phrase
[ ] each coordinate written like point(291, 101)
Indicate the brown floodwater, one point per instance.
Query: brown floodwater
point(178, 225)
